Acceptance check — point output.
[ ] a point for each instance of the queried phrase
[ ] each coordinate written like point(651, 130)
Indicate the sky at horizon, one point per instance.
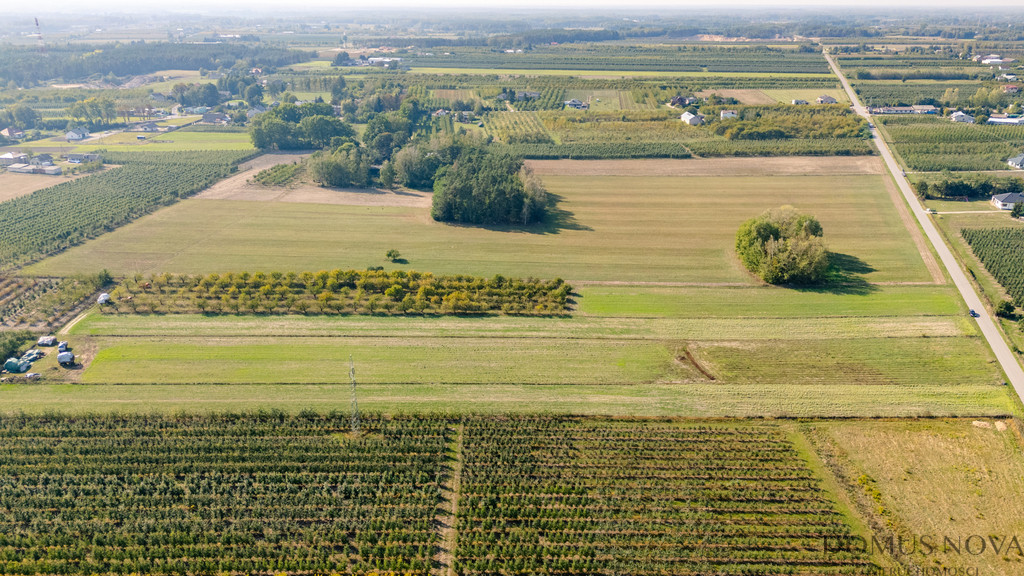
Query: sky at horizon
point(270, 7)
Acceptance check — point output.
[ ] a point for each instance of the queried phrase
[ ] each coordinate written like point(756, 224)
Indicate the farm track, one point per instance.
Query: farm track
point(444, 560)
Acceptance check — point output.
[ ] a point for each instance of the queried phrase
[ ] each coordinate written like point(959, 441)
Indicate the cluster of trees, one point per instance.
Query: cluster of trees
point(991, 96)
point(782, 246)
point(204, 94)
point(291, 127)
point(347, 166)
point(971, 187)
point(19, 115)
point(11, 342)
point(488, 187)
point(793, 122)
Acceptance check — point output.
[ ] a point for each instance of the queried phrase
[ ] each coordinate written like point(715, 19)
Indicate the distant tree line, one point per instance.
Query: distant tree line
point(25, 65)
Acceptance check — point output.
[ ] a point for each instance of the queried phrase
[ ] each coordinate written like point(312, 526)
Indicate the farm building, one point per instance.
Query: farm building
point(800, 102)
point(41, 160)
point(727, 114)
point(1016, 162)
point(13, 158)
point(575, 103)
point(1004, 119)
point(526, 95)
point(1011, 89)
point(916, 109)
point(76, 134)
point(826, 99)
point(145, 127)
point(20, 168)
point(1007, 201)
point(963, 117)
point(692, 119)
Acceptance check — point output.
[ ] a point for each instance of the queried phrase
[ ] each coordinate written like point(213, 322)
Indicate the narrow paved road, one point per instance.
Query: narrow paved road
point(1004, 355)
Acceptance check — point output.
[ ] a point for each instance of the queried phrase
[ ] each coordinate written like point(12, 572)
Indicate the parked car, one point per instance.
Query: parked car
point(33, 376)
point(974, 314)
point(62, 346)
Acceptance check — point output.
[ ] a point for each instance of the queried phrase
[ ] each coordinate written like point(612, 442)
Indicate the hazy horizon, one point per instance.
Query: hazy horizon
point(273, 7)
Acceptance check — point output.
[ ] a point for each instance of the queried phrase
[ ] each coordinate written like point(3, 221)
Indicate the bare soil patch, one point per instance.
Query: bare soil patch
point(310, 194)
point(780, 166)
point(237, 187)
point(745, 96)
point(15, 185)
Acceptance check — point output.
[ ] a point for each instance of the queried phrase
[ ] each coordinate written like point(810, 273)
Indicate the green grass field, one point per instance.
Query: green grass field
point(611, 228)
point(171, 142)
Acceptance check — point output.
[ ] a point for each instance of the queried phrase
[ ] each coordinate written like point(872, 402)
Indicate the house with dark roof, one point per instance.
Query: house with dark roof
point(1016, 162)
point(1007, 201)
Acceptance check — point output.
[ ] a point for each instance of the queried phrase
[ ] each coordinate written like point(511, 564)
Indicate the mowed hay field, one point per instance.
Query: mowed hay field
point(661, 228)
point(956, 479)
point(665, 320)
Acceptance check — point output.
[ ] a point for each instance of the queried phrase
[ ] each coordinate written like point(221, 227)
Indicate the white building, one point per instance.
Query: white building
point(692, 119)
point(76, 134)
point(826, 99)
point(727, 114)
point(1007, 201)
point(960, 116)
point(1016, 162)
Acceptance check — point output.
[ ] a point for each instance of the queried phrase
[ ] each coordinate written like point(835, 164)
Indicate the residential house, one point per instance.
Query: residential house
point(76, 134)
point(692, 119)
point(526, 95)
point(800, 102)
point(1011, 89)
point(826, 99)
point(81, 158)
point(1008, 77)
point(216, 118)
point(575, 103)
point(259, 109)
point(41, 160)
point(727, 114)
point(1016, 162)
point(1007, 201)
point(683, 101)
point(146, 127)
point(440, 113)
point(960, 116)
point(925, 109)
point(916, 109)
point(13, 158)
point(12, 133)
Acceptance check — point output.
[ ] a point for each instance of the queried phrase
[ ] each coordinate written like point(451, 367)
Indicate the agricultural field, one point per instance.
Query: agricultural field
point(891, 341)
point(999, 250)
point(31, 229)
point(956, 479)
point(412, 494)
point(932, 144)
point(598, 232)
point(16, 185)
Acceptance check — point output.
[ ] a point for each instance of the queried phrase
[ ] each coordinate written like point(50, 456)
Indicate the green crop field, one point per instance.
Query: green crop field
point(610, 228)
point(171, 142)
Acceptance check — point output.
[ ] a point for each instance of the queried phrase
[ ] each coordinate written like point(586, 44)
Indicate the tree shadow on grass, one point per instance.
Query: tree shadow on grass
point(555, 220)
point(845, 276)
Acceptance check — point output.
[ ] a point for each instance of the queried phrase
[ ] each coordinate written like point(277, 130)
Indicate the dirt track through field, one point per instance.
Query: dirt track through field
point(781, 166)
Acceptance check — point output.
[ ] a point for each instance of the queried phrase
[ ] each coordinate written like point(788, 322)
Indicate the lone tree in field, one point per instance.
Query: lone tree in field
point(393, 255)
point(783, 246)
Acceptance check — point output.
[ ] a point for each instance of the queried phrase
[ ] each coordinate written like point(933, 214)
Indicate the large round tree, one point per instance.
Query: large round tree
point(783, 246)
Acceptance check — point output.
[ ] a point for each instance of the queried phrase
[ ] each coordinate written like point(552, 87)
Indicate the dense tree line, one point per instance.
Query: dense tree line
point(971, 187)
point(782, 246)
point(26, 65)
point(347, 166)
